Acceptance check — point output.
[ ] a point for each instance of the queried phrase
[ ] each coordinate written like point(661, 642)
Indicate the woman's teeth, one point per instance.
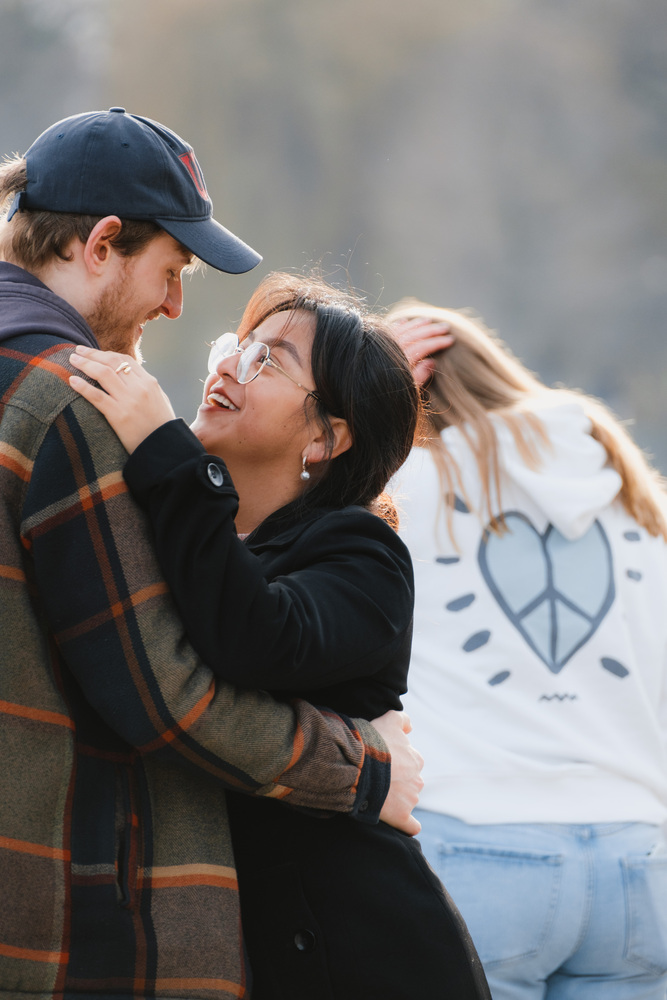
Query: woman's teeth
point(217, 400)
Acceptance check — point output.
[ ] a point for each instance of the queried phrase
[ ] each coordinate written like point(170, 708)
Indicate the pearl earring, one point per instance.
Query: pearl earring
point(304, 471)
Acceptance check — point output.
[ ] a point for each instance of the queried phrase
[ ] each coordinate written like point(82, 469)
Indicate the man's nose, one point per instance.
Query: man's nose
point(172, 306)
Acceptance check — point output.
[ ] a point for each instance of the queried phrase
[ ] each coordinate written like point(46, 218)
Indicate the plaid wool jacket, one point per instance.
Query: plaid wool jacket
point(116, 743)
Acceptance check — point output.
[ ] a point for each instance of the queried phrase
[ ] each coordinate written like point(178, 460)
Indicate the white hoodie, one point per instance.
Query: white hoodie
point(537, 688)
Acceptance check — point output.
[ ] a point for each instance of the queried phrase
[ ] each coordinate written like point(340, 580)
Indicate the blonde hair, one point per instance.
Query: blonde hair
point(478, 375)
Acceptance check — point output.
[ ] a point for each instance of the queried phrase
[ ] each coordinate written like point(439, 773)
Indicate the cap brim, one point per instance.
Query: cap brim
point(213, 244)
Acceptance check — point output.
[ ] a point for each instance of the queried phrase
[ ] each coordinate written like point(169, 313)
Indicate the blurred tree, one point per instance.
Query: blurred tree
point(51, 53)
point(510, 155)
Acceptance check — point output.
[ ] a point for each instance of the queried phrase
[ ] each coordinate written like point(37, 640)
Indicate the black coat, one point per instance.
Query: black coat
point(319, 606)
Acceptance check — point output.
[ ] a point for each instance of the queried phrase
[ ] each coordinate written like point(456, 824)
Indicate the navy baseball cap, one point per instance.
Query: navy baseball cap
point(114, 163)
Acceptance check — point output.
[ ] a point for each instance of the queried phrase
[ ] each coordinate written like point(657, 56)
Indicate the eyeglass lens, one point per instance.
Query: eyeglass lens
point(251, 362)
point(251, 358)
point(221, 349)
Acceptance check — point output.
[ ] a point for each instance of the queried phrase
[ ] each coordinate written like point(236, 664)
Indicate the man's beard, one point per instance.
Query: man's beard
point(108, 321)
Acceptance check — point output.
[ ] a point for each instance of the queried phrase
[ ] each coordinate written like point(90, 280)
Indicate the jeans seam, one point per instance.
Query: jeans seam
point(589, 857)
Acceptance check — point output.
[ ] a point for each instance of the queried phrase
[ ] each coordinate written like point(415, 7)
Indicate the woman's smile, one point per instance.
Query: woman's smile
point(271, 425)
point(218, 398)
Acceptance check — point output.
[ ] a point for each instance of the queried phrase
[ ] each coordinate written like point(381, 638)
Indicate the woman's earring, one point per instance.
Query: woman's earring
point(305, 474)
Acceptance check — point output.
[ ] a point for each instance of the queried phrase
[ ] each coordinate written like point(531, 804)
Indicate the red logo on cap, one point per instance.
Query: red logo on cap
point(193, 168)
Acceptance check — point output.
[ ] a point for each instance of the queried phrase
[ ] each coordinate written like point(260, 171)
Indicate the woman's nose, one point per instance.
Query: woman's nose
point(228, 365)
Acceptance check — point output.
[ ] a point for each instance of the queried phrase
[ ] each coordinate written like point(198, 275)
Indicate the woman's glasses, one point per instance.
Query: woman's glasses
point(252, 359)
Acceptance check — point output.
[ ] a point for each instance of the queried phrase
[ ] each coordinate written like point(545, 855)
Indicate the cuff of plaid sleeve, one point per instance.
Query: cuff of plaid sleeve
point(375, 775)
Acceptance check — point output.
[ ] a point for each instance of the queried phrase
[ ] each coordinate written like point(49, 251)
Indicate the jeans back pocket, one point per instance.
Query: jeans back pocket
point(645, 883)
point(507, 898)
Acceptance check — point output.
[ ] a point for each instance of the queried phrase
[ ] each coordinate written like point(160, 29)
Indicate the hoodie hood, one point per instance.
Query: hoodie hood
point(27, 306)
point(573, 482)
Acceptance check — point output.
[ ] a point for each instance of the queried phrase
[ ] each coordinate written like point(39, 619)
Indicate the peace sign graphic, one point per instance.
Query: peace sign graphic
point(554, 591)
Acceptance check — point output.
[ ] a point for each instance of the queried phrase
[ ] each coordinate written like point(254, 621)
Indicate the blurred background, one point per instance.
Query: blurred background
point(507, 155)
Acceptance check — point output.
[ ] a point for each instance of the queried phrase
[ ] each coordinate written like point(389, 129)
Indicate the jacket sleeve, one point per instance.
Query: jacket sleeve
point(338, 609)
point(102, 596)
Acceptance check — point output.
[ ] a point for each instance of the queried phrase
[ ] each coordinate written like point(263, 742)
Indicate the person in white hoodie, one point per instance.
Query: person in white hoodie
point(538, 679)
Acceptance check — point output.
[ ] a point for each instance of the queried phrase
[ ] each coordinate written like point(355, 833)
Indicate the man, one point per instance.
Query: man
point(116, 742)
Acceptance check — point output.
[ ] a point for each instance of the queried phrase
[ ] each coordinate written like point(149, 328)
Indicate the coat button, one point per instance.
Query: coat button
point(215, 474)
point(304, 940)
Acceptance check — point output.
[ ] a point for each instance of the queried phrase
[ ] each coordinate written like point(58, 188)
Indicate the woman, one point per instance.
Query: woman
point(288, 580)
point(538, 685)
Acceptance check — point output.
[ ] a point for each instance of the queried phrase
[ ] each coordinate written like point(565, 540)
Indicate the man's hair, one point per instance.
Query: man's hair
point(33, 238)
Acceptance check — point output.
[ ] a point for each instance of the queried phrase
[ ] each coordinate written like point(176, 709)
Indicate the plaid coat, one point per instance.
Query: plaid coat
point(116, 742)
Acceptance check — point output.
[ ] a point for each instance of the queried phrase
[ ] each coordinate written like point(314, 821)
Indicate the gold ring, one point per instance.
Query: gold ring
point(124, 367)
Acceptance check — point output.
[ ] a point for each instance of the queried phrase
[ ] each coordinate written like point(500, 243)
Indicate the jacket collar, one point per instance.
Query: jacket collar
point(278, 529)
point(29, 306)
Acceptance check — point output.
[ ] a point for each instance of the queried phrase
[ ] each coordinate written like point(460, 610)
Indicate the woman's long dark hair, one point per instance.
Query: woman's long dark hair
point(360, 374)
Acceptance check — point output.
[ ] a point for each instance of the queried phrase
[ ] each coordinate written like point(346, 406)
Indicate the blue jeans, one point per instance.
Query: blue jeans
point(560, 912)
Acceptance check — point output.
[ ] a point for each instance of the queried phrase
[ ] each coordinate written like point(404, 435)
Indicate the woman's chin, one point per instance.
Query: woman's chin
point(199, 428)
point(196, 427)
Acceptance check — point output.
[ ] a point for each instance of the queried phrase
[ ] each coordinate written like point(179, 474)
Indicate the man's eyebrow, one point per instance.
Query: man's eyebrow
point(186, 254)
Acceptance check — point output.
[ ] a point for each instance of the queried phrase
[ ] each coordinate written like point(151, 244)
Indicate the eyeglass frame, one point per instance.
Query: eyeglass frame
point(268, 360)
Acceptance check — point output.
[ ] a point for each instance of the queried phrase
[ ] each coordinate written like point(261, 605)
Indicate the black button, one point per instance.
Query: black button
point(304, 940)
point(215, 474)
point(121, 111)
point(363, 807)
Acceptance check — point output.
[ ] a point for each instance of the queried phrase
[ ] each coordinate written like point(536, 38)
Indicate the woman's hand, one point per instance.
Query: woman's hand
point(133, 402)
point(421, 338)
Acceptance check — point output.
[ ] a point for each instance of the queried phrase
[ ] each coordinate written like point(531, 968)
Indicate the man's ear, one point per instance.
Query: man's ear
point(317, 449)
point(97, 251)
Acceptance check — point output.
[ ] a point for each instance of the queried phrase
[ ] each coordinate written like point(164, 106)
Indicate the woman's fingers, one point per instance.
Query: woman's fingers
point(423, 370)
point(428, 347)
point(112, 359)
point(109, 378)
point(96, 396)
point(130, 398)
point(421, 338)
